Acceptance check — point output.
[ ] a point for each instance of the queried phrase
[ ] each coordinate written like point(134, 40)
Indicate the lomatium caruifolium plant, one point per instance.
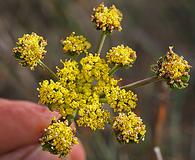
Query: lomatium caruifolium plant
point(85, 92)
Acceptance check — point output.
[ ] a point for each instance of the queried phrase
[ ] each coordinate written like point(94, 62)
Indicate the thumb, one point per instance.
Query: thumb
point(22, 123)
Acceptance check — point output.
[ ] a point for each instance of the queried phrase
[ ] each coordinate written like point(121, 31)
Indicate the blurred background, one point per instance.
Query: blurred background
point(149, 27)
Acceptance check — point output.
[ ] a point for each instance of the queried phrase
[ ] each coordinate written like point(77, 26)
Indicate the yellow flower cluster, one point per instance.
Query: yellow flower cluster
point(93, 115)
point(77, 89)
point(174, 69)
point(75, 44)
point(95, 67)
point(81, 89)
point(107, 19)
point(52, 93)
point(30, 50)
point(105, 86)
point(121, 100)
point(69, 72)
point(121, 55)
point(128, 128)
point(58, 138)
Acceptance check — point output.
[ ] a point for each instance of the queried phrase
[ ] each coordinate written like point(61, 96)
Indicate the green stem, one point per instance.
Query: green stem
point(103, 100)
point(141, 83)
point(45, 67)
point(73, 56)
point(71, 118)
point(75, 113)
point(113, 70)
point(101, 43)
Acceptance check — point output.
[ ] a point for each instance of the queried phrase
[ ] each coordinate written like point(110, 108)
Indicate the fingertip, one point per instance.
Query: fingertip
point(77, 153)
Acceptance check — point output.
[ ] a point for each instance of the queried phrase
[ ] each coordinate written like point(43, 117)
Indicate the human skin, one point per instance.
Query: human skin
point(21, 125)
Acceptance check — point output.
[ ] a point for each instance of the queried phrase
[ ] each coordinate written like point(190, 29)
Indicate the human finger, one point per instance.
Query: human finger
point(22, 123)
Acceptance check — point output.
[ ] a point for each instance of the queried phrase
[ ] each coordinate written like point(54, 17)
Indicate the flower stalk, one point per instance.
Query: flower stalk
point(101, 43)
point(141, 83)
point(114, 69)
point(136, 84)
point(103, 100)
point(71, 118)
point(45, 67)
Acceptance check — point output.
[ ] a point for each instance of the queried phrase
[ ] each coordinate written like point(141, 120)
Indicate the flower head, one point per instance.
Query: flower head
point(95, 67)
point(121, 100)
point(128, 128)
point(121, 55)
point(30, 49)
point(51, 92)
point(75, 44)
point(58, 97)
point(93, 116)
point(107, 19)
point(174, 69)
point(58, 138)
point(69, 72)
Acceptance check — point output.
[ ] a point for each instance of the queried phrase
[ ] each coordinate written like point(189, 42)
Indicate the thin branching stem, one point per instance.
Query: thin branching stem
point(136, 84)
point(140, 83)
point(72, 118)
point(45, 67)
point(101, 43)
point(103, 100)
point(113, 70)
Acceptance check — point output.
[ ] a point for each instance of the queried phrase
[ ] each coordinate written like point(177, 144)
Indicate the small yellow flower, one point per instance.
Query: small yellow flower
point(69, 72)
point(75, 44)
point(51, 92)
point(58, 138)
point(121, 100)
point(30, 49)
point(128, 128)
point(58, 97)
point(93, 116)
point(174, 69)
point(121, 55)
point(107, 19)
point(94, 68)
point(92, 113)
point(105, 86)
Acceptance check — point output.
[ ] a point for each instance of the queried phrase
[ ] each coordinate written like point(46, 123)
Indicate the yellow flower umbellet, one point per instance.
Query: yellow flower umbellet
point(107, 19)
point(74, 44)
point(121, 55)
point(52, 93)
point(80, 89)
point(121, 100)
point(59, 138)
point(174, 69)
point(128, 128)
point(93, 116)
point(30, 50)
